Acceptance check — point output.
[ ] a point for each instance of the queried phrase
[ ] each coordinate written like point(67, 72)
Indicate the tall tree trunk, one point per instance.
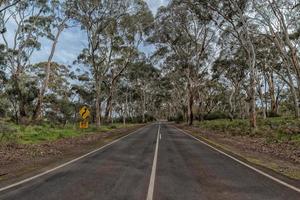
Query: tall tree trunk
point(252, 61)
point(124, 114)
point(252, 103)
point(190, 101)
point(272, 93)
point(231, 109)
point(294, 94)
point(23, 112)
point(108, 109)
point(44, 87)
point(144, 105)
point(98, 106)
point(190, 109)
point(251, 57)
point(262, 101)
point(266, 96)
point(20, 100)
point(293, 49)
point(109, 102)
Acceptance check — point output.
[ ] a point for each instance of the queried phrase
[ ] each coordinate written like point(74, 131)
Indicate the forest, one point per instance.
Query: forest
point(206, 90)
point(211, 59)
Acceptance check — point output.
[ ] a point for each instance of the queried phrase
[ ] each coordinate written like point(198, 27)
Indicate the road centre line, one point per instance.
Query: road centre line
point(153, 171)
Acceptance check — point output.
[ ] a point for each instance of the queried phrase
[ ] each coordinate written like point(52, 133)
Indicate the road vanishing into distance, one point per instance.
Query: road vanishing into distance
point(155, 162)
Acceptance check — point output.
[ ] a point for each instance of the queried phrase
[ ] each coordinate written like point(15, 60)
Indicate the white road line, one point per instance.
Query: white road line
point(243, 163)
point(65, 164)
point(153, 171)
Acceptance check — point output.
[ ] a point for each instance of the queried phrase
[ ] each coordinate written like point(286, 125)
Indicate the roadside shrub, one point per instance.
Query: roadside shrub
point(273, 114)
point(7, 133)
point(38, 129)
point(94, 128)
point(235, 127)
point(216, 115)
point(150, 118)
point(138, 119)
point(61, 135)
point(112, 126)
point(178, 118)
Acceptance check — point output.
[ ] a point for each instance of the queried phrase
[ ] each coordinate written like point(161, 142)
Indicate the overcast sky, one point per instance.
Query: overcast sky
point(72, 41)
point(155, 4)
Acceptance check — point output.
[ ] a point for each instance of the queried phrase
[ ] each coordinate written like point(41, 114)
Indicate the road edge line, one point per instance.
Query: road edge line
point(243, 163)
point(153, 170)
point(67, 163)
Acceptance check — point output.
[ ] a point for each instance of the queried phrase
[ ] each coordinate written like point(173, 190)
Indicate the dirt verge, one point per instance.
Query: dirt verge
point(283, 158)
point(18, 161)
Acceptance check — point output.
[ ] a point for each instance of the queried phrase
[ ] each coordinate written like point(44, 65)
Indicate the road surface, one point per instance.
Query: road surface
point(156, 162)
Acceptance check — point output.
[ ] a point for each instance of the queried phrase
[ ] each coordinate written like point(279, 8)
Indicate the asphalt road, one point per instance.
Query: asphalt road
point(185, 170)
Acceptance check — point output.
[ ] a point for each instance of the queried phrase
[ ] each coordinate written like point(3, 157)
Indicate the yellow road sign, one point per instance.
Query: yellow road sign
point(84, 112)
point(84, 124)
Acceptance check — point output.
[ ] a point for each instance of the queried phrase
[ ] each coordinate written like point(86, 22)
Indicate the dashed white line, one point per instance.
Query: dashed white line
point(153, 171)
point(243, 163)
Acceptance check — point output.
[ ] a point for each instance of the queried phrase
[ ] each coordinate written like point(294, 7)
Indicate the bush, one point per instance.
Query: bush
point(112, 126)
point(216, 115)
point(273, 114)
point(178, 118)
point(7, 133)
point(235, 127)
point(137, 119)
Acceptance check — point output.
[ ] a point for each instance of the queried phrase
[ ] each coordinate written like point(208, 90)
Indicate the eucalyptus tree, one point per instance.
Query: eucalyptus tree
point(31, 22)
point(229, 70)
point(279, 21)
point(57, 102)
point(127, 33)
point(174, 86)
point(95, 18)
point(212, 99)
point(143, 77)
point(58, 17)
point(6, 4)
point(232, 17)
point(269, 67)
point(83, 91)
point(3, 58)
point(185, 40)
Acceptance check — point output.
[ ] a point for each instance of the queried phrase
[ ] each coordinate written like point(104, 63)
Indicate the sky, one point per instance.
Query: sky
point(155, 4)
point(73, 40)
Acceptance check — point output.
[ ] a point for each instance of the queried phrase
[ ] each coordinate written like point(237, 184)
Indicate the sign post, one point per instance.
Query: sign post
point(84, 113)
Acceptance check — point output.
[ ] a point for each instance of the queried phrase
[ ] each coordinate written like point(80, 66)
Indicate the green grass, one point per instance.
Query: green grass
point(279, 129)
point(10, 132)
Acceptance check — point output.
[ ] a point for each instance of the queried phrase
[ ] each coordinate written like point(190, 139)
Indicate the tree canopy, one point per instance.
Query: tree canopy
point(210, 59)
